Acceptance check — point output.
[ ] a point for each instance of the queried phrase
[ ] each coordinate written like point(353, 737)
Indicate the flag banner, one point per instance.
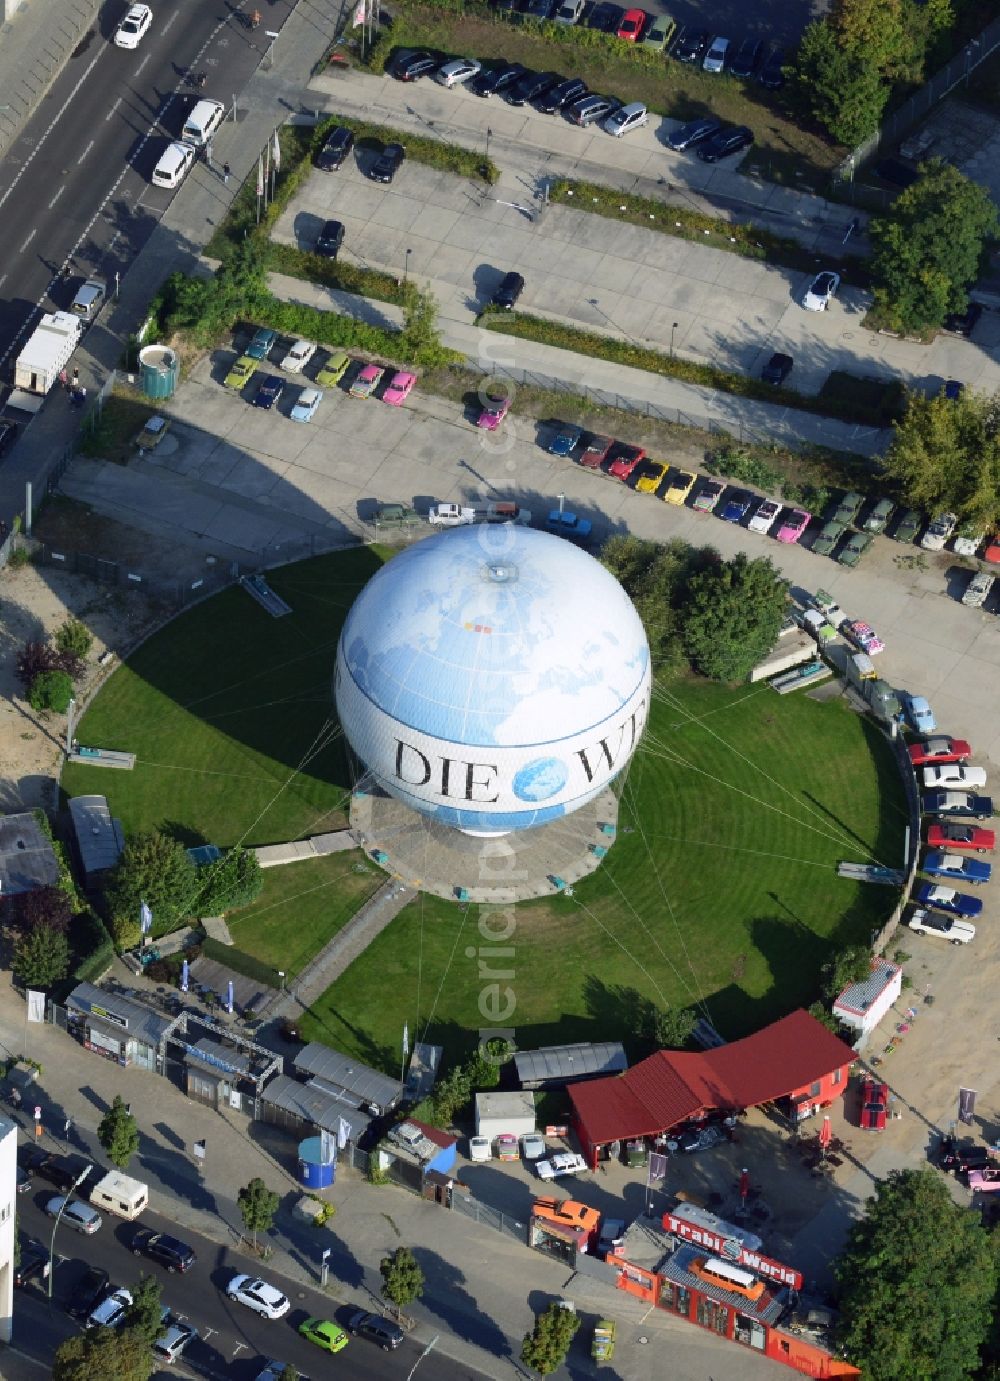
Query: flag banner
point(966, 1105)
point(260, 175)
point(657, 1167)
point(229, 997)
point(406, 1038)
point(359, 14)
point(185, 976)
point(327, 1147)
point(145, 918)
point(36, 1005)
point(276, 156)
point(344, 1130)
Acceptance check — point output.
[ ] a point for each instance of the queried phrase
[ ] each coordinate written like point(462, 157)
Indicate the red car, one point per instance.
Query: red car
point(938, 749)
point(595, 450)
point(874, 1105)
point(632, 24)
point(623, 459)
point(956, 836)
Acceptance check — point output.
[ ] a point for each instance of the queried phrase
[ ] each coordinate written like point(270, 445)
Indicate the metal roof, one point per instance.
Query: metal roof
point(98, 837)
point(313, 1104)
point(348, 1079)
point(858, 997)
point(577, 1061)
point(27, 859)
point(768, 1308)
point(143, 1023)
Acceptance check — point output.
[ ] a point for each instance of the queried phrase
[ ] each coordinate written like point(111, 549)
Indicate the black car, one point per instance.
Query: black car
point(387, 1334)
point(745, 60)
point(385, 166)
point(34, 1264)
point(732, 139)
point(160, 1246)
point(63, 1171)
point(698, 1138)
point(691, 45)
point(695, 132)
point(531, 86)
point(538, 9)
point(88, 1292)
point(8, 430)
point(959, 1160)
point(410, 66)
point(330, 238)
point(268, 391)
point(31, 1157)
point(558, 97)
point(770, 76)
point(336, 146)
point(959, 323)
point(510, 289)
point(23, 1180)
point(606, 19)
point(493, 79)
point(593, 109)
point(777, 369)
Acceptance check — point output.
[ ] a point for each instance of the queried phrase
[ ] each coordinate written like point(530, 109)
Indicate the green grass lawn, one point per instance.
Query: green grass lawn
point(721, 891)
point(302, 906)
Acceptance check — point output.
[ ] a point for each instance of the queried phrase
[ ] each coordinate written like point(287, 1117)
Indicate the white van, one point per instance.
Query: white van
point(120, 1194)
point(174, 166)
point(201, 124)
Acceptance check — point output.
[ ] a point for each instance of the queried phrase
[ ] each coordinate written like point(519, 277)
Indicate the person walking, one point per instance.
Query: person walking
point(76, 379)
point(226, 171)
point(255, 19)
point(63, 378)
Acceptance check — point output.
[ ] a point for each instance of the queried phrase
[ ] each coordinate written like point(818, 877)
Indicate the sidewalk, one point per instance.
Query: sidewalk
point(34, 44)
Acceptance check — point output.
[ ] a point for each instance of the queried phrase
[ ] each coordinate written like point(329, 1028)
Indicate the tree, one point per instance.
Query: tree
point(36, 657)
point(671, 1027)
point(655, 576)
point(42, 957)
point(917, 1280)
point(50, 690)
point(50, 907)
point(945, 455)
point(877, 32)
point(145, 1313)
point(258, 1205)
point(842, 90)
point(402, 1278)
point(545, 1348)
point(118, 1133)
point(929, 247)
point(155, 869)
point(75, 638)
point(109, 1353)
point(851, 965)
point(733, 615)
point(228, 883)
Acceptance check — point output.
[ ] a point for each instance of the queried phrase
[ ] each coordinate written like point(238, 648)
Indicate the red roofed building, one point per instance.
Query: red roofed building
point(795, 1060)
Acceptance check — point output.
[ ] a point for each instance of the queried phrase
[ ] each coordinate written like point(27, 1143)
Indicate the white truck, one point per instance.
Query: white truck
point(460, 515)
point(47, 351)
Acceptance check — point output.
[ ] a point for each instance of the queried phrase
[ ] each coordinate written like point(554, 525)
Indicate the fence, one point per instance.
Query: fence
point(490, 1217)
point(957, 70)
point(107, 572)
point(909, 779)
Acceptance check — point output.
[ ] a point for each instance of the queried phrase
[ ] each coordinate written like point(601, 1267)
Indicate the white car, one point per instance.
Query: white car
point(954, 775)
point(169, 1346)
point(480, 1148)
point(562, 1163)
point(111, 1311)
point(306, 404)
point(939, 531)
point(945, 927)
point(299, 356)
point(257, 1295)
point(629, 117)
point(451, 515)
point(821, 291)
point(969, 543)
point(134, 27)
point(715, 58)
point(533, 1146)
point(457, 71)
point(763, 520)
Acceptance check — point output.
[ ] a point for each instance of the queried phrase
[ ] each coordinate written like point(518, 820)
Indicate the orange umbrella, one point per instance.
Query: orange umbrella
point(825, 1133)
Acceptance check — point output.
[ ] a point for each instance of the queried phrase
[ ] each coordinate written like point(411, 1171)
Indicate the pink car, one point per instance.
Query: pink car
point(794, 525)
point(399, 388)
point(986, 1181)
point(495, 410)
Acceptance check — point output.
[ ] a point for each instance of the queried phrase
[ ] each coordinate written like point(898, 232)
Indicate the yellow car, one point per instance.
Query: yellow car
point(679, 486)
point(334, 370)
point(651, 474)
point(241, 373)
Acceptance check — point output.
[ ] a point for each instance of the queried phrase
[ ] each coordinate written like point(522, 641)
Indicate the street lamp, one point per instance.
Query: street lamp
point(672, 330)
point(422, 1356)
point(489, 136)
point(406, 267)
point(52, 1242)
point(281, 975)
point(562, 501)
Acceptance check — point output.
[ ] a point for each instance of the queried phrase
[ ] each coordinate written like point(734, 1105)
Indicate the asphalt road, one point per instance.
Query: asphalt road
point(76, 183)
point(232, 1342)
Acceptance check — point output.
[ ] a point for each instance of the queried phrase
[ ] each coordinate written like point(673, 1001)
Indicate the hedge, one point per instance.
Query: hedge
point(240, 962)
point(624, 352)
point(333, 273)
point(94, 945)
point(434, 153)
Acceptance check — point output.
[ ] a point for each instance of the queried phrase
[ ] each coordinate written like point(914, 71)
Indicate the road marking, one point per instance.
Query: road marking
point(85, 152)
point(112, 110)
point(3, 280)
point(169, 23)
point(57, 196)
point(28, 241)
point(142, 64)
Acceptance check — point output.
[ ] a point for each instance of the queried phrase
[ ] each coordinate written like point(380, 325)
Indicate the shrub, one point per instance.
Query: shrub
point(741, 464)
point(51, 690)
point(75, 638)
point(228, 883)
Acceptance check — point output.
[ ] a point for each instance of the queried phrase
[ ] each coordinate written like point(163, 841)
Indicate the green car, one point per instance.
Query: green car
point(262, 344)
point(909, 525)
point(333, 370)
point(395, 515)
point(241, 373)
point(855, 547)
point(878, 518)
point(829, 535)
point(847, 510)
point(329, 1336)
point(661, 30)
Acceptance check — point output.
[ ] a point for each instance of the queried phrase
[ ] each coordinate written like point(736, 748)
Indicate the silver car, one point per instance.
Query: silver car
point(630, 117)
point(978, 589)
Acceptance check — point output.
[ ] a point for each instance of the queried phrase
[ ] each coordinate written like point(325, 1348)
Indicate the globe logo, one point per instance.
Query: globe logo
point(538, 780)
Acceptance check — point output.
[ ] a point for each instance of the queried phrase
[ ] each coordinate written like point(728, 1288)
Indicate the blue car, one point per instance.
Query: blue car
point(566, 440)
point(567, 524)
point(959, 804)
point(737, 507)
point(262, 344)
point(940, 865)
point(947, 899)
point(920, 714)
point(269, 391)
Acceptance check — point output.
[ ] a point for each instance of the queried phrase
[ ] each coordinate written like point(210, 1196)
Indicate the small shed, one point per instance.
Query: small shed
point(861, 1006)
point(99, 838)
point(302, 1108)
point(27, 858)
point(554, 1066)
point(505, 1112)
point(348, 1079)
